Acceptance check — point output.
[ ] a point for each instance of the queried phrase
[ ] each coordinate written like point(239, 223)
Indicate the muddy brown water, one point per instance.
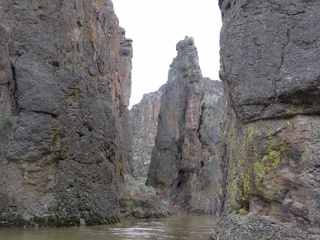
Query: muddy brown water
point(183, 226)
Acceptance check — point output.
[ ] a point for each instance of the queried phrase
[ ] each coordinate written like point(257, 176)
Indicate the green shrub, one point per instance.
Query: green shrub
point(135, 192)
point(8, 122)
point(133, 186)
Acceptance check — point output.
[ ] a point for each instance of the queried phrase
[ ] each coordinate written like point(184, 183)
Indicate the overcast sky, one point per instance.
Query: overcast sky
point(156, 26)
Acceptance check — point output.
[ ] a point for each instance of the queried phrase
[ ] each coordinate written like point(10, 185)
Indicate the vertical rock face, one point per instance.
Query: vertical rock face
point(65, 76)
point(144, 122)
point(124, 81)
point(209, 177)
point(183, 158)
point(269, 65)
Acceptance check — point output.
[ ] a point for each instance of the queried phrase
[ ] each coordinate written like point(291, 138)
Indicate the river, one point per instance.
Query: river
point(177, 227)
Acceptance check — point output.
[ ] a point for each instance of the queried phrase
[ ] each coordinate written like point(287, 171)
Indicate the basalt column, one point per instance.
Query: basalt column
point(183, 169)
point(270, 69)
point(64, 87)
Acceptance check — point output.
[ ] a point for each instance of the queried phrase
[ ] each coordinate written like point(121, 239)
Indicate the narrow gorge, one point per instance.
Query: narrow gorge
point(184, 167)
point(244, 149)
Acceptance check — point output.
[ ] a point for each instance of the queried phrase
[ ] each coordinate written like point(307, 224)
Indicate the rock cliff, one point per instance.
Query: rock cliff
point(144, 122)
point(269, 66)
point(184, 167)
point(65, 78)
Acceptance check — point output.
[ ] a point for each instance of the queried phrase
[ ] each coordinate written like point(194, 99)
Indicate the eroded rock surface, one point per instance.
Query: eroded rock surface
point(184, 167)
point(255, 226)
point(269, 65)
point(65, 73)
point(144, 122)
point(274, 46)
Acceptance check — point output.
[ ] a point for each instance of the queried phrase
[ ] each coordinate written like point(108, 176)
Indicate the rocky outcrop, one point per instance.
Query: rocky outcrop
point(256, 226)
point(184, 168)
point(141, 201)
point(124, 85)
point(269, 65)
point(65, 75)
point(144, 122)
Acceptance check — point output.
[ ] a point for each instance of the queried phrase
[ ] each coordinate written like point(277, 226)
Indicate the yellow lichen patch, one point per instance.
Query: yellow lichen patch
point(269, 162)
point(233, 190)
point(243, 211)
point(189, 69)
point(246, 183)
point(272, 159)
point(50, 173)
point(55, 145)
point(302, 161)
point(27, 168)
point(25, 171)
point(270, 132)
point(260, 174)
point(251, 132)
point(288, 122)
point(26, 175)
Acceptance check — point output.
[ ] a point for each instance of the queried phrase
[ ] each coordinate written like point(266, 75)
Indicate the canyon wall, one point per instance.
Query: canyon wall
point(65, 78)
point(144, 122)
point(270, 69)
point(184, 168)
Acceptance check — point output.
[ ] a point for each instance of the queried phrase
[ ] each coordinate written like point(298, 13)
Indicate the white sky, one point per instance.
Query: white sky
point(156, 26)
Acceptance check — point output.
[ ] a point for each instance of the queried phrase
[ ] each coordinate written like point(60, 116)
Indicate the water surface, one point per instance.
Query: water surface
point(184, 226)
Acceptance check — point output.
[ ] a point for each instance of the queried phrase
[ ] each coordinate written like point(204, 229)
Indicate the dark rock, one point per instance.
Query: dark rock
point(270, 156)
point(184, 167)
point(93, 71)
point(278, 58)
point(255, 226)
point(7, 84)
point(64, 74)
point(127, 165)
point(126, 43)
point(144, 206)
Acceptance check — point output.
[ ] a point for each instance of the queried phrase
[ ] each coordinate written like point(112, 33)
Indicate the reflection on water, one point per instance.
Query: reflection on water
point(177, 227)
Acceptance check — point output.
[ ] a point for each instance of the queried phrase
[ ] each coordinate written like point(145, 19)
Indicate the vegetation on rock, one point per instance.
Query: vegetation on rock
point(133, 187)
point(141, 201)
point(8, 122)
